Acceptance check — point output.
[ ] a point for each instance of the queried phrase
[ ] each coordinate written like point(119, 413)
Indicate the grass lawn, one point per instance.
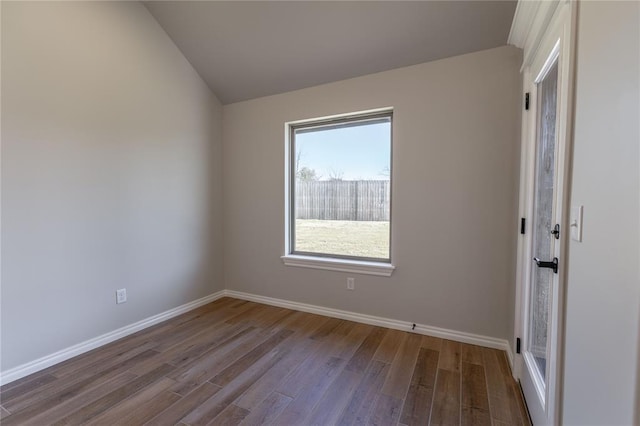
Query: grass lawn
point(343, 237)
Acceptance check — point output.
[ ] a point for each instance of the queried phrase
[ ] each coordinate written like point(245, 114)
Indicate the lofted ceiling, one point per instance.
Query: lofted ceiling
point(247, 49)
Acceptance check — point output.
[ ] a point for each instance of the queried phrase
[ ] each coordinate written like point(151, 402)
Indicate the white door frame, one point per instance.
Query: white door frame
point(538, 26)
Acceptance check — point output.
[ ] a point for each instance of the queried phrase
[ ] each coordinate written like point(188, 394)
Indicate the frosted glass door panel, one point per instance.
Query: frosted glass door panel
point(543, 239)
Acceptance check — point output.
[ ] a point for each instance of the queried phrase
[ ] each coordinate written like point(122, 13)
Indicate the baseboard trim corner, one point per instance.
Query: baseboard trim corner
point(510, 358)
point(31, 367)
point(458, 336)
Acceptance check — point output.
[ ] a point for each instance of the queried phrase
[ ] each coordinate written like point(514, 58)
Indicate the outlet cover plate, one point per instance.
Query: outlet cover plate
point(121, 296)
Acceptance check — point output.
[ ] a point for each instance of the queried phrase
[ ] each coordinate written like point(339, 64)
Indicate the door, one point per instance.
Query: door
point(538, 351)
point(541, 252)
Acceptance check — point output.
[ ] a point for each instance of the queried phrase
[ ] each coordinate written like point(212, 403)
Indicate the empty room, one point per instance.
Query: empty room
point(320, 212)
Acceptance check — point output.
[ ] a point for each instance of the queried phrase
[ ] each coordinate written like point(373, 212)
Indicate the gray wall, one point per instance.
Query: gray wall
point(455, 159)
point(111, 174)
point(603, 294)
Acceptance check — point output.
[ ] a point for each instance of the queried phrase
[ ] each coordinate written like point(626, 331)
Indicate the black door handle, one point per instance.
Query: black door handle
point(552, 265)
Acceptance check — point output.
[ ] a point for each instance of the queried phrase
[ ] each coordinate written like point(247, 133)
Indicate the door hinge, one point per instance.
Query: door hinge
point(518, 345)
point(523, 223)
point(526, 101)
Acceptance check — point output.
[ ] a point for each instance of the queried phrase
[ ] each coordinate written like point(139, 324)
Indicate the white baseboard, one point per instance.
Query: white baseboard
point(443, 333)
point(75, 350)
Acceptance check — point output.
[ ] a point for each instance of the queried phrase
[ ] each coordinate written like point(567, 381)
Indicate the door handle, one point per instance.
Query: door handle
point(551, 265)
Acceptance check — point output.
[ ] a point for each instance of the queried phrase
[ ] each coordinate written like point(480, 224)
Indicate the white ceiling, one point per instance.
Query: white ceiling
point(245, 50)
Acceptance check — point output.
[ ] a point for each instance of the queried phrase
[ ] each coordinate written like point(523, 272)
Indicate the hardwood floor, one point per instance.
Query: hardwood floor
point(237, 362)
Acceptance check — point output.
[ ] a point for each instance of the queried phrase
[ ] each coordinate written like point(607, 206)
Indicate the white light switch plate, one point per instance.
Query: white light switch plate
point(576, 222)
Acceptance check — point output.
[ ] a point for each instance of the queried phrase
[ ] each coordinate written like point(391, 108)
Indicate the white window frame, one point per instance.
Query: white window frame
point(358, 265)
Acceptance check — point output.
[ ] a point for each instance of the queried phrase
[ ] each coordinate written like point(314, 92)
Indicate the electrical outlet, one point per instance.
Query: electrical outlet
point(351, 283)
point(121, 295)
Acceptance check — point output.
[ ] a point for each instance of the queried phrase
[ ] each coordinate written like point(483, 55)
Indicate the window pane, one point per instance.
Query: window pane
point(543, 223)
point(342, 188)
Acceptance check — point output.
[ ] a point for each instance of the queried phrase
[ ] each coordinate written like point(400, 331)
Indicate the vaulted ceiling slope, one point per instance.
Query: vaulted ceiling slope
point(245, 50)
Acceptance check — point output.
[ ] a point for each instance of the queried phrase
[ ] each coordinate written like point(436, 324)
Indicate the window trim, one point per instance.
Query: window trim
point(382, 269)
point(328, 261)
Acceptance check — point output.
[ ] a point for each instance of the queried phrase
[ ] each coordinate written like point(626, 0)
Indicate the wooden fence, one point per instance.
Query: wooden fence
point(343, 200)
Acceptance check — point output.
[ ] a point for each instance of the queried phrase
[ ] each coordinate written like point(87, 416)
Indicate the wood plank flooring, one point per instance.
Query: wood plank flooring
point(236, 362)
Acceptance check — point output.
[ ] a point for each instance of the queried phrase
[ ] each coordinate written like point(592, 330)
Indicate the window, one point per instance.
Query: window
point(339, 193)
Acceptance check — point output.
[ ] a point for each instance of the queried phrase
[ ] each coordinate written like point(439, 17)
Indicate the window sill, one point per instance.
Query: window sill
point(341, 265)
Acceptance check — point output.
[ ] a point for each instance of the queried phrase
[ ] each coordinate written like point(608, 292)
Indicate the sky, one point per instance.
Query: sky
point(352, 153)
